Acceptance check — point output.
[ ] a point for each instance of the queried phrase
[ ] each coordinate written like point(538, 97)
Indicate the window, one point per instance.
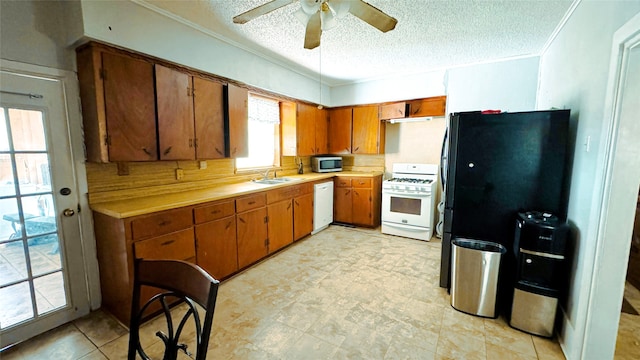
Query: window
point(264, 134)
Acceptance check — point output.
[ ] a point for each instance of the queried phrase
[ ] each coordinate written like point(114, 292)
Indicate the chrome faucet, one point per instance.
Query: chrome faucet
point(266, 174)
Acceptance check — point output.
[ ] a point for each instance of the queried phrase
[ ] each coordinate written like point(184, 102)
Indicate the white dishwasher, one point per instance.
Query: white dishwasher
point(322, 206)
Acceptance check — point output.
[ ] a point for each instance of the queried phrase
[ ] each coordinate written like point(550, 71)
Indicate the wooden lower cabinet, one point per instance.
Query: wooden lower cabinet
point(302, 216)
point(280, 224)
point(251, 229)
point(216, 247)
point(357, 200)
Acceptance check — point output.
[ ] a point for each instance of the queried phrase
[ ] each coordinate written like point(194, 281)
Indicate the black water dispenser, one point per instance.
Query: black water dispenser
point(539, 247)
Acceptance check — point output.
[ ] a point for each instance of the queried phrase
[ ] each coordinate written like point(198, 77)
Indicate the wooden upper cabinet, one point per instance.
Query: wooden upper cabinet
point(118, 106)
point(433, 106)
point(368, 131)
point(392, 111)
point(208, 107)
point(175, 114)
point(304, 129)
point(322, 128)
point(237, 121)
point(340, 130)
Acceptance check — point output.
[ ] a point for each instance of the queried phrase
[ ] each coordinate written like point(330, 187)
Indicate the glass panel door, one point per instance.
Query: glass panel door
point(31, 281)
point(42, 275)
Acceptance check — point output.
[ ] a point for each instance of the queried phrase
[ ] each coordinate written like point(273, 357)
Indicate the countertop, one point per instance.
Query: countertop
point(145, 205)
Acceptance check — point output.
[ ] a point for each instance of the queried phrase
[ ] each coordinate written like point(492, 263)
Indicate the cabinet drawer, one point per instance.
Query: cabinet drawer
point(178, 246)
point(288, 192)
point(250, 202)
point(161, 223)
point(214, 211)
point(343, 182)
point(361, 183)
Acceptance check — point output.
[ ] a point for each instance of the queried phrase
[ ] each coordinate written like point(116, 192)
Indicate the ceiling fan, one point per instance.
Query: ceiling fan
point(318, 15)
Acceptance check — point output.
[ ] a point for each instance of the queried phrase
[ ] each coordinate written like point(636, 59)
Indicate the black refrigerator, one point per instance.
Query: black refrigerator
point(498, 164)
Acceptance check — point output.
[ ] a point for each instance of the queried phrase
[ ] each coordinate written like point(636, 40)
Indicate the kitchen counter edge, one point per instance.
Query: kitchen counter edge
point(122, 209)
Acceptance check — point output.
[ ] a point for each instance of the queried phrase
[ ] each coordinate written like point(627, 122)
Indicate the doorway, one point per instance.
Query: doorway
point(42, 274)
point(617, 192)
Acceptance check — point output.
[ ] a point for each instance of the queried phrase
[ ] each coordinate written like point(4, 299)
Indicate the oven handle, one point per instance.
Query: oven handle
point(404, 226)
point(405, 194)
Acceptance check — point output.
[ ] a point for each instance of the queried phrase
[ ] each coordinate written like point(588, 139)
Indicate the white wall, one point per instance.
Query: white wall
point(37, 32)
point(573, 75)
point(506, 85)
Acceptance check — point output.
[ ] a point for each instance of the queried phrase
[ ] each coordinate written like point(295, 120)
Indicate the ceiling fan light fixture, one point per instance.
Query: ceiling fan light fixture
point(310, 7)
point(340, 8)
point(327, 18)
point(302, 16)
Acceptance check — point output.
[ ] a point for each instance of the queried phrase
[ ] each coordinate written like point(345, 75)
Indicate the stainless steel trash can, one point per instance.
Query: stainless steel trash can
point(475, 266)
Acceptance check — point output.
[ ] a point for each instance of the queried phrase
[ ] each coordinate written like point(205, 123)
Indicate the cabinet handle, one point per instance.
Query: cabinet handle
point(348, 150)
point(251, 202)
point(242, 220)
point(164, 223)
point(228, 225)
point(312, 151)
point(215, 212)
point(356, 149)
point(146, 151)
point(188, 91)
point(195, 143)
point(190, 142)
point(218, 151)
point(166, 152)
point(167, 243)
point(289, 206)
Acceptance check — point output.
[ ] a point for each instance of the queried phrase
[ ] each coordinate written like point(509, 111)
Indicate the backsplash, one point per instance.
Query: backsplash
point(159, 177)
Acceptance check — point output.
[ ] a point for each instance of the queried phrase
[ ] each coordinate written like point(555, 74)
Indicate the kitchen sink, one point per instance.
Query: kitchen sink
point(281, 180)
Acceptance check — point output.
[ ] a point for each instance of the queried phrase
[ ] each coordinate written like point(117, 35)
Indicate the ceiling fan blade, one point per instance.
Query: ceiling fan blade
point(261, 10)
point(372, 16)
point(314, 30)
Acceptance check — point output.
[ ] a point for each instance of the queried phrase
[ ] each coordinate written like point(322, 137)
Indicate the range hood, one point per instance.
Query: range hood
point(409, 119)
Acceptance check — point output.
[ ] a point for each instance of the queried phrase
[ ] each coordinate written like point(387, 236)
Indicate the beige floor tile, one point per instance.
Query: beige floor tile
point(276, 338)
point(498, 352)
point(498, 332)
point(94, 355)
point(64, 342)
point(100, 327)
point(456, 345)
point(547, 349)
point(406, 349)
point(628, 341)
point(310, 348)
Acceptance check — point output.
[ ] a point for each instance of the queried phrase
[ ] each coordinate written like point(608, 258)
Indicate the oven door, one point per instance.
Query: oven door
point(407, 208)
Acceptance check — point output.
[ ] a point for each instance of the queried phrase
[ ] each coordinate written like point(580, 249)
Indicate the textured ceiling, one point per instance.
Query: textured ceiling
point(430, 34)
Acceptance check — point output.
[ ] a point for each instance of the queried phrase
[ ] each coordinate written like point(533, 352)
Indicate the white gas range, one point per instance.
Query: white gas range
point(408, 201)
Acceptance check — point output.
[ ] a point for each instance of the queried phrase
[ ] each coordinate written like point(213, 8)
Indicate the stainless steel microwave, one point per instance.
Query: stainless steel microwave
point(322, 164)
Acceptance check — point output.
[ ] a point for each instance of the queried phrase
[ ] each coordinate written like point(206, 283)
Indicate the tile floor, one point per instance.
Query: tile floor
point(340, 294)
point(628, 341)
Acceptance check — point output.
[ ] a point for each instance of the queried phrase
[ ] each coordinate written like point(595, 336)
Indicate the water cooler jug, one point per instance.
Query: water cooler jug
point(539, 247)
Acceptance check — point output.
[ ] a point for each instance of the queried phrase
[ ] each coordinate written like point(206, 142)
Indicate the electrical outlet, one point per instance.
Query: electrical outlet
point(203, 164)
point(179, 174)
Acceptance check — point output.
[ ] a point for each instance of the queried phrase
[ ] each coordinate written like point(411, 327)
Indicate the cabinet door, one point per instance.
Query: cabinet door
point(130, 108)
point(342, 207)
point(322, 123)
point(306, 122)
point(175, 114)
point(434, 106)
point(392, 111)
point(302, 216)
point(361, 200)
point(340, 130)
point(208, 107)
point(217, 250)
point(280, 224)
point(366, 130)
point(288, 128)
point(252, 236)
point(237, 121)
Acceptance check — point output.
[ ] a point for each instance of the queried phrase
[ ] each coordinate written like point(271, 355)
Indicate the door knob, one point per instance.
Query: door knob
point(68, 212)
